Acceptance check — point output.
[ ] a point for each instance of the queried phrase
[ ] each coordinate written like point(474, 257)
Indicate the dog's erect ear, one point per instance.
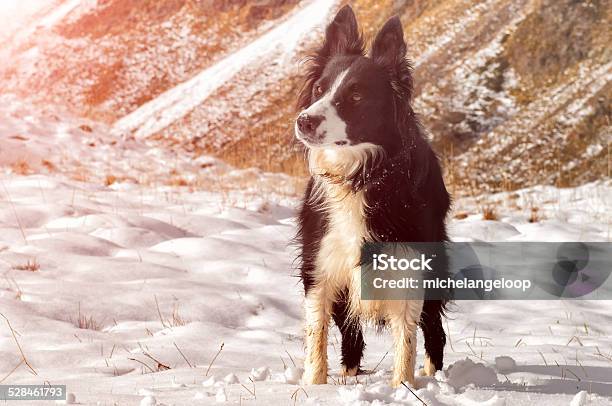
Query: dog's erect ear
point(342, 35)
point(389, 48)
point(389, 51)
point(341, 38)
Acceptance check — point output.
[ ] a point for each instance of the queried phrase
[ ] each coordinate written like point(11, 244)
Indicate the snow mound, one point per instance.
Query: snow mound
point(221, 395)
point(293, 375)
point(231, 379)
point(210, 382)
point(148, 401)
point(70, 399)
point(580, 399)
point(466, 372)
point(260, 374)
point(505, 364)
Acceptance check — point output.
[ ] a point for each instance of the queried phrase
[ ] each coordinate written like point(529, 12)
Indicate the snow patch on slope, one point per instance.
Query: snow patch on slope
point(179, 101)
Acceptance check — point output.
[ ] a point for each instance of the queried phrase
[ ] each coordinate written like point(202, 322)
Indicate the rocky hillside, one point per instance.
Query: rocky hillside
point(515, 92)
point(106, 60)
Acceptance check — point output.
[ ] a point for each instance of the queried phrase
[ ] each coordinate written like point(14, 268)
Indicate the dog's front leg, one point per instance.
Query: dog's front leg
point(404, 337)
point(318, 313)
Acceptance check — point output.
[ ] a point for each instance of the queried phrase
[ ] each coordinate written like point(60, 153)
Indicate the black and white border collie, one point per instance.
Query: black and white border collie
point(374, 177)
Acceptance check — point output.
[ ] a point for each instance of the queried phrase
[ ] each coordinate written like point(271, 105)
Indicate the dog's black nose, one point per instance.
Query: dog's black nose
point(307, 124)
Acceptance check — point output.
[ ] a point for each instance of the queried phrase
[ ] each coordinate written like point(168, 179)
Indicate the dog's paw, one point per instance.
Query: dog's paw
point(314, 379)
point(314, 376)
point(349, 371)
point(408, 380)
point(428, 369)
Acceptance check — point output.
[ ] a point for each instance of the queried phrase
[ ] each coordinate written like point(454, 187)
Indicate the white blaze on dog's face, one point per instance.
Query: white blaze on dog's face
point(320, 124)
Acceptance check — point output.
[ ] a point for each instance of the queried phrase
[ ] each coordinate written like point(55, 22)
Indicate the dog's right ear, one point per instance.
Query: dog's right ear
point(341, 38)
point(342, 35)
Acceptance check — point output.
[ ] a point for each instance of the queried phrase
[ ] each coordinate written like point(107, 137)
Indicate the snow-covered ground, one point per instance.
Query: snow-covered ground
point(50, 140)
point(135, 275)
point(128, 291)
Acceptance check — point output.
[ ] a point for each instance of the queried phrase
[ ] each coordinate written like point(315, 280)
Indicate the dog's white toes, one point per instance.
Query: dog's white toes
point(314, 377)
point(428, 369)
point(349, 371)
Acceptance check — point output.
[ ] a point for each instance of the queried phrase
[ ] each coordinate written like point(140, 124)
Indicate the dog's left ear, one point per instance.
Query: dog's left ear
point(389, 49)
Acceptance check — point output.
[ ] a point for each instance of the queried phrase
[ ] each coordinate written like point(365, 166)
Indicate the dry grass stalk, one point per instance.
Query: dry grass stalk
point(109, 180)
point(291, 358)
point(86, 323)
point(294, 395)
point(534, 215)
point(23, 357)
point(461, 215)
point(80, 176)
point(214, 358)
point(183, 355)
point(159, 366)
point(49, 165)
point(31, 266)
point(21, 167)
point(161, 319)
point(248, 390)
point(415, 395)
point(11, 372)
point(177, 319)
point(489, 213)
point(379, 362)
point(142, 363)
point(25, 240)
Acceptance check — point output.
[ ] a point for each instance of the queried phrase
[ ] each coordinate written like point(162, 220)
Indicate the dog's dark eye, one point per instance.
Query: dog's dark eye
point(356, 97)
point(318, 90)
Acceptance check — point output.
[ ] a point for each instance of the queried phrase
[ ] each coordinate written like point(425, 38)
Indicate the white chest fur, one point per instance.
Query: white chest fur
point(337, 269)
point(337, 264)
point(340, 249)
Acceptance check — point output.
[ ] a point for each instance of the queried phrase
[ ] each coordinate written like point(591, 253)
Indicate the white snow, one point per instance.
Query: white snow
point(580, 399)
point(70, 399)
point(293, 375)
point(231, 379)
point(140, 290)
point(210, 382)
point(221, 396)
point(138, 277)
point(148, 401)
point(505, 364)
point(127, 277)
point(467, 372)
point(260, 374)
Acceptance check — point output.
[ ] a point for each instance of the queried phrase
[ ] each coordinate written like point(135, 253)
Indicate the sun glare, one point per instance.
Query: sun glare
point(8, 6)
point(14, 14)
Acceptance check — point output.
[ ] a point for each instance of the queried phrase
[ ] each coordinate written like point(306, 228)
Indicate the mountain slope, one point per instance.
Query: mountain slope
point(105, 60)
point(520, 86)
